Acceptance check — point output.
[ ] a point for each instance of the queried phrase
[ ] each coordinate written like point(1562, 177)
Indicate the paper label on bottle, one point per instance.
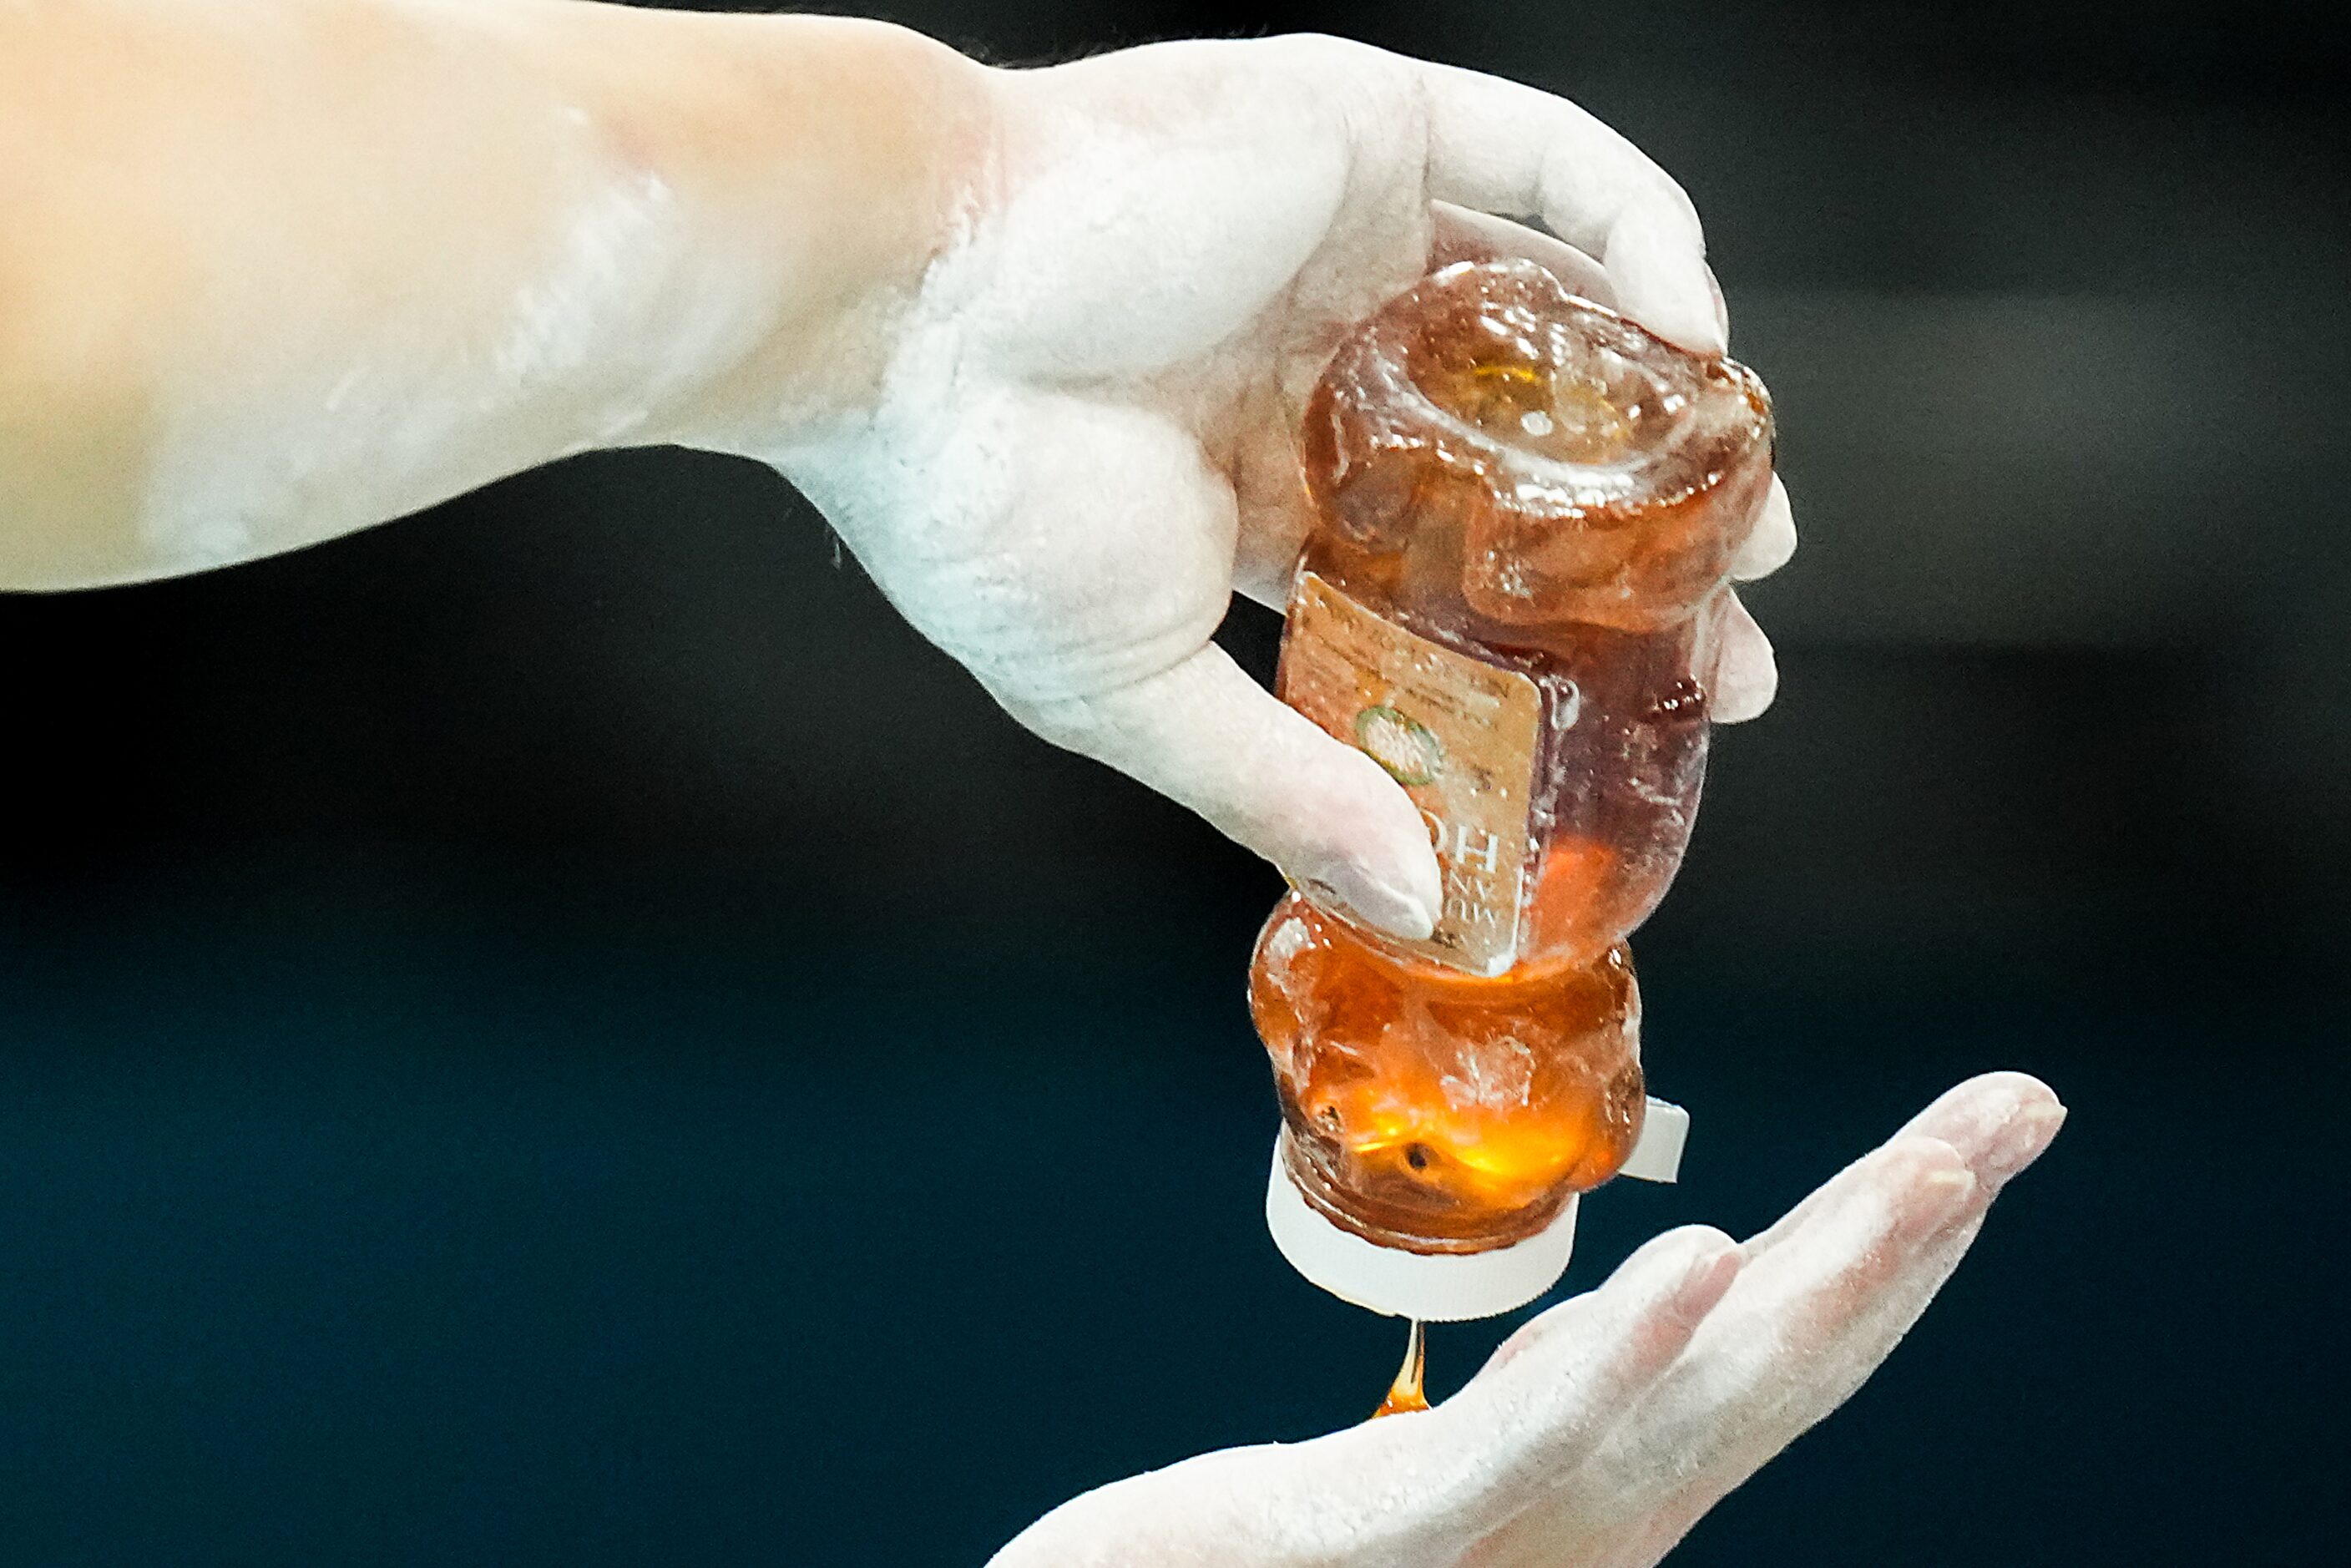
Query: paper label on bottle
point(1457, 733)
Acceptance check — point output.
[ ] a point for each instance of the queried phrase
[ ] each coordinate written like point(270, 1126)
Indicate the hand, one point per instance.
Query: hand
point(1602, 1430)
point(1085, 439)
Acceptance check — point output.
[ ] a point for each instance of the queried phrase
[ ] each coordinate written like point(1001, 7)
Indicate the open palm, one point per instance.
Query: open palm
point(1602, 1431)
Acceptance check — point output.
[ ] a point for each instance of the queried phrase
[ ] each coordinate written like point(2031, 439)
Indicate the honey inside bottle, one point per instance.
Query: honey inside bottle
point(1525, 511)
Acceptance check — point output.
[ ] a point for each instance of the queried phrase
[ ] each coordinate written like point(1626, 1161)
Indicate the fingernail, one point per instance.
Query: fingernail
point(1680, 306)
point(1390, 908)
point(1958, 1182)
point(1709, 315)
point(1662, 283)
point(1944, 1195)
point(1745, 677)
point(2021, 1141)
point(1928, 1185)
point(1692, 325)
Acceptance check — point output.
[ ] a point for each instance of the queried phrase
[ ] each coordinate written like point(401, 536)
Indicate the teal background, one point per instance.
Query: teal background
point(558, 1031)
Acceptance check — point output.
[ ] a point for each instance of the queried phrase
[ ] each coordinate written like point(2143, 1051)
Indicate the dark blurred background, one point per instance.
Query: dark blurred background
point(558, 1031)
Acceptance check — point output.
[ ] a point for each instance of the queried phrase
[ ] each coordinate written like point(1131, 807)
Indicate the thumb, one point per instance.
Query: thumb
point(1206, 735)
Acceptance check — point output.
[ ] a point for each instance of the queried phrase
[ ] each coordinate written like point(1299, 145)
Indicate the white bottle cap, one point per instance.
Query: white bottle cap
point(1447, 1287)
point(1665, 1131)
point(1434, 1287)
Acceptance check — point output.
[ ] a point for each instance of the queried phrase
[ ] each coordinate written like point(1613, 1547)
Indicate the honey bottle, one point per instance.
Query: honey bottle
point(1525, 511)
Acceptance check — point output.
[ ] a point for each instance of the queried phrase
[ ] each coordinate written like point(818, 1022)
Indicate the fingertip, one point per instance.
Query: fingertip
point(1461, 234)
point(1611, 1341)
point(1685, 1270)
point(1998, 1123)
point(1392, 909)
point(1931, 1181)
point(1681, 1273)
point(1746, 669)
point(1921, 1155)
point(1204, 734)
point(1711, 1272)
point(1657, 264)
point(2026, 1140)
point(2026, 1092)
point(1667, 1290)
point(1900, 1191)
point(1384, 869)
point(1771, 542)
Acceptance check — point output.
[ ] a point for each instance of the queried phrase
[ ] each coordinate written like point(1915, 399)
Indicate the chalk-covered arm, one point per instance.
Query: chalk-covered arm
point(1602, 1430)
point(273, 270)
point(1036, 342)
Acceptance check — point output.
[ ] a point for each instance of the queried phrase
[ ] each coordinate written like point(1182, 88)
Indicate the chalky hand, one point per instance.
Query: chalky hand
point(1604, 1429)
point(1087, 434)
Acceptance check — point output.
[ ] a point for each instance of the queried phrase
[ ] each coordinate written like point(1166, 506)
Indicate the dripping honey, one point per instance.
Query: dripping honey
point(1409, 1392)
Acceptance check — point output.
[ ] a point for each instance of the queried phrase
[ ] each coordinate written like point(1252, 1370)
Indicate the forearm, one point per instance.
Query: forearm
point(271, 270)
